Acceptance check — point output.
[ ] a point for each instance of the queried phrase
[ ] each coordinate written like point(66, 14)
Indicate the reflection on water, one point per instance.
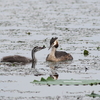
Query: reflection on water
point(35, 71)
point(54, 74)
point(33, 64)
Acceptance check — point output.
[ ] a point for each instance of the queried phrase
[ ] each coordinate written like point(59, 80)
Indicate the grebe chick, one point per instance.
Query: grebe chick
point(22, 59)
point(57, 56)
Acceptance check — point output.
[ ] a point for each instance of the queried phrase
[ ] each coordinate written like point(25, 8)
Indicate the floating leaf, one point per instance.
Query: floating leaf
point(28, 33)
point(93, 95)
point(98, 48)
point(35, 81)
point(86, 52)
point(42, 79)
point(51, 81)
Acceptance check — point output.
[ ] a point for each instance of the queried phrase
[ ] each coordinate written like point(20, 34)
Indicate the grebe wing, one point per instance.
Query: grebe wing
point(63, 55)
point(21, 59)
point(60, 53)
point(15, 58)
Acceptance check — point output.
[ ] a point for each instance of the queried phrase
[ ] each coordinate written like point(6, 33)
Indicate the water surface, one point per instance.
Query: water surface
point(25, 24)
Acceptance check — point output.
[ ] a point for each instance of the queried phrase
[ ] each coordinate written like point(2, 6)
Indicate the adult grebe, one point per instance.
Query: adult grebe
point(57, 56)
point(22, 59)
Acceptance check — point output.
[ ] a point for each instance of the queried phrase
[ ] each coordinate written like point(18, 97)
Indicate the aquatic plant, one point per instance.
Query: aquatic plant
point(28, 33)
point(93, 95)
point(21, 41)
point(60, 48)
point(98, 48)
point(86, 52)
point(51, 81)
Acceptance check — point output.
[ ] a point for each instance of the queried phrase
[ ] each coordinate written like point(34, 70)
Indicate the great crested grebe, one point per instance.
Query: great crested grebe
point(57, 56)
point(22, 59)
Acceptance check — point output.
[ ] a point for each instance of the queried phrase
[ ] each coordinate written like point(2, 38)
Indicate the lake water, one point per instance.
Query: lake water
point(25, 24)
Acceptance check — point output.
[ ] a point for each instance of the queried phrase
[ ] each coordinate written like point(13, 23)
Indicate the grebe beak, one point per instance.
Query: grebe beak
point(43, 47)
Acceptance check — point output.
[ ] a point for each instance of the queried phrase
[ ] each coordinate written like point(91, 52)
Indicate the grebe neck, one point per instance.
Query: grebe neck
point(33, 56)
point(53, 50)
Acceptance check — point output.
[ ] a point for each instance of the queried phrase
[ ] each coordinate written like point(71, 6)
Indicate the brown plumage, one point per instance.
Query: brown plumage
point(57, 55)
point(18, 58)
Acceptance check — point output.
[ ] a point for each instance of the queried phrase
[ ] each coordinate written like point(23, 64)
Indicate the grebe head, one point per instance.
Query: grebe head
point(36, 48)
point(54, 42)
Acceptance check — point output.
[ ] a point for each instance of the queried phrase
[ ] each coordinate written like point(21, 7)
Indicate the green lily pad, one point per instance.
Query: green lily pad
point(51, 81)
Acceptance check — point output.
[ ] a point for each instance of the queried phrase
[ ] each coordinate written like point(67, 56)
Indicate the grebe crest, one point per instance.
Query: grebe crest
point(54, 42)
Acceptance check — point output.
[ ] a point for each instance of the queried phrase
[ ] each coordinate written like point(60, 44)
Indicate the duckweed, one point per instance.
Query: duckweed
point(86, 52)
